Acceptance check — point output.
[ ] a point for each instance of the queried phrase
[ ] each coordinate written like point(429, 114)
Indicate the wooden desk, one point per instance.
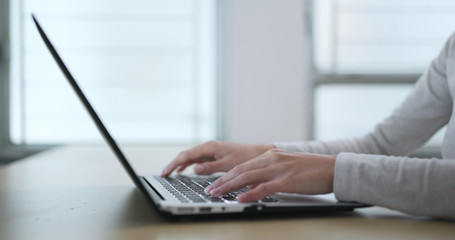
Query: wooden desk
point(81, 192)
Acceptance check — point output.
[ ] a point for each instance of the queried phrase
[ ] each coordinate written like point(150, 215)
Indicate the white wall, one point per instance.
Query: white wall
point(263, 75)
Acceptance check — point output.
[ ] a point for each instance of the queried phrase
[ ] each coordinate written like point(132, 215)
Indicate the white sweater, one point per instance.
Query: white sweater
point(372, 169)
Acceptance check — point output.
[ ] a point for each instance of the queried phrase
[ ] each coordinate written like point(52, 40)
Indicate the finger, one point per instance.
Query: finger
point(251, 177)
point(207, 168)
point(256, 163)
point(181, 168)
point(261, 191)
point(184, 166)
point(194, 155)
point(225, 178)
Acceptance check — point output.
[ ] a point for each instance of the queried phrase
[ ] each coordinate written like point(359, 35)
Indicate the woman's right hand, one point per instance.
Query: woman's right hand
point(214, 156)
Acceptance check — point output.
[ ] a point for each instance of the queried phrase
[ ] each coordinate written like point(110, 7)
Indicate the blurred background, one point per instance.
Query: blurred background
point(181, 72)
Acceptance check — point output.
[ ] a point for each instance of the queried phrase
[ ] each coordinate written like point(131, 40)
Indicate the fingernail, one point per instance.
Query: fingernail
point(241, 197)
point(215, 192)
point(199, 169)
point(208, 189)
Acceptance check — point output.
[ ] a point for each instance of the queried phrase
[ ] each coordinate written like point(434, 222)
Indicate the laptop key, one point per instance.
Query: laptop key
point(191, 189)
point(198, 200)
point(213, 199)
point(173, 191)
point(268, 199)
point(229, 197)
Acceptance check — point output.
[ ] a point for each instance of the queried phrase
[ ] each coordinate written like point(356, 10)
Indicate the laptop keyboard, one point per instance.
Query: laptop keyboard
point(191, 190)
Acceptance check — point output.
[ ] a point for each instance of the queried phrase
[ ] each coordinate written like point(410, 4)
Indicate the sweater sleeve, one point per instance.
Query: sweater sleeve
point(415, 186)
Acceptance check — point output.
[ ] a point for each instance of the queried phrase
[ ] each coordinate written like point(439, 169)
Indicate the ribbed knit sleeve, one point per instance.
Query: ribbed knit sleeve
point(411, 185)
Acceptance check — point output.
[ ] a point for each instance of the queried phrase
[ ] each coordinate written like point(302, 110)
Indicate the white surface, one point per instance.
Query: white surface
point(264, 74)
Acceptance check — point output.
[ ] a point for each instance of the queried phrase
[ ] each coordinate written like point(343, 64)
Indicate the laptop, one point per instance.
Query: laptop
point(183, 195)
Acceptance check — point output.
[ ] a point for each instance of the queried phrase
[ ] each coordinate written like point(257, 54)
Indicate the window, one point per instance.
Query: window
point(148, 68)
point(367, 56)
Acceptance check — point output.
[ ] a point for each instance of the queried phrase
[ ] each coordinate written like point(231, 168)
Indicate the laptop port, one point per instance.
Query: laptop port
point(205, 209)
point(184, 209)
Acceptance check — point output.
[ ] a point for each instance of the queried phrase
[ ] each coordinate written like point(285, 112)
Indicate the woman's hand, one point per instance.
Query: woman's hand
point(214, 156)
point(278, 171)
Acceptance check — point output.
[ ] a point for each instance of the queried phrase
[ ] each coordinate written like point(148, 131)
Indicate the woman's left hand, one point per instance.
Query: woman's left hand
point(278, 171)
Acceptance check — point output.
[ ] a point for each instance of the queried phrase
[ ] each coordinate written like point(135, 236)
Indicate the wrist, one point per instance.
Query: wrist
point(262, 148)
point(332, 171)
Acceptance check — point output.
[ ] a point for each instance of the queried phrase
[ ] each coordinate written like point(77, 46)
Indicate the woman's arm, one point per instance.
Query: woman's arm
point(415, 186)
point(412, 185)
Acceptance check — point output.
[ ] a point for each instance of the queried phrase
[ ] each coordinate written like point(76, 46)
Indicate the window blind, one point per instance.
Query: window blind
point(148, 67)
point(380, 36)
point(369, 38)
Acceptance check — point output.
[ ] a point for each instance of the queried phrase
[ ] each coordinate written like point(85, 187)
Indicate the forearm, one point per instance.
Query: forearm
point(416, 186)
point(367, 145)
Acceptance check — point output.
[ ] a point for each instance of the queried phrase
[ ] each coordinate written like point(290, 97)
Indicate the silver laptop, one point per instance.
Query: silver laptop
point(183, 194)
